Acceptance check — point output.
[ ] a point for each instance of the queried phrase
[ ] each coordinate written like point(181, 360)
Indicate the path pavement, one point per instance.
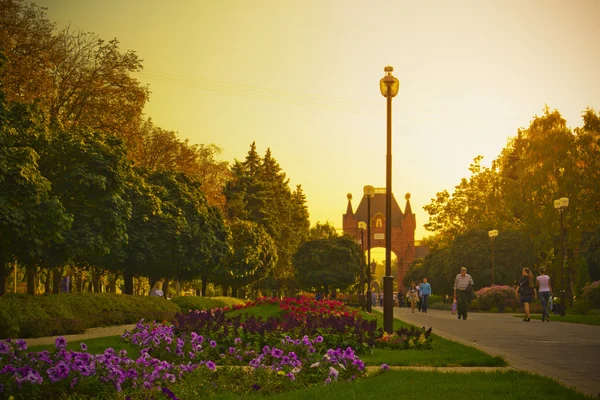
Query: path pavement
point(89, 334)
point(569, 353)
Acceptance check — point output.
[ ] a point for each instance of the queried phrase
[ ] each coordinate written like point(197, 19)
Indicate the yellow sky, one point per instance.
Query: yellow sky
point(302, 77)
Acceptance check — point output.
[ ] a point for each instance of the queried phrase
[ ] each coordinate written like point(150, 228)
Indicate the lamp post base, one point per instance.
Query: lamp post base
point(369, 299)
point(388, 304)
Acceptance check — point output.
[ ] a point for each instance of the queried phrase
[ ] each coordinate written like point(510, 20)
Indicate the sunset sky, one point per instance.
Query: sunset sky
point(302, 77)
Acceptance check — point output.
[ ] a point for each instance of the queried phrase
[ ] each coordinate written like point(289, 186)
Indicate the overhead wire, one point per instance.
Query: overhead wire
point(281, 96)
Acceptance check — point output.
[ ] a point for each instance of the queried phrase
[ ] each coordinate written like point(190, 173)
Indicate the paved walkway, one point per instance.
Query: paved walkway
point(569, 353)
point(89, 334)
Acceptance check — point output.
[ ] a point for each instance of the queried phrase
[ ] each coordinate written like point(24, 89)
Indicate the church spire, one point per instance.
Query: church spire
point(349, 208)
point(408, 210)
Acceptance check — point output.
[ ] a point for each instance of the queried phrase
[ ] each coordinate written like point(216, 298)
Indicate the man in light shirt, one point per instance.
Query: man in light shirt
point(461, 295)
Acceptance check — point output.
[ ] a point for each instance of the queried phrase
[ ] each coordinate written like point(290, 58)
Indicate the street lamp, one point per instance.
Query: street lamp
point(492, 235)
point(362, 226)
point(561, 204)
point(369, 192)
point(388, 86)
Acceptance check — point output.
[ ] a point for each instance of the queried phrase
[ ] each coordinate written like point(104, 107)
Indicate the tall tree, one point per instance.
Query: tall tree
point(328, 264)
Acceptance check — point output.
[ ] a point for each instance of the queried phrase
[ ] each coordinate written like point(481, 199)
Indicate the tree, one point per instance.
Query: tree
point(328, 264)
point(252, 257)
point(78, 79)
point(322, 231)
point(31, 218)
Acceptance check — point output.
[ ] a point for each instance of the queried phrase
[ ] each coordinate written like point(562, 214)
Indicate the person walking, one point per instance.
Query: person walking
point(544, 293)
point(418, 297)
point(425, 289)
point(526, 291)
point(462, 282)
point(412, 295)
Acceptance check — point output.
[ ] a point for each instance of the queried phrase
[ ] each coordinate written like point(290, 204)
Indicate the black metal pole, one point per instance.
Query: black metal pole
point(388, 280)
point(563, 304)
point(369, 294)
point(362, 269)
point(492, 261)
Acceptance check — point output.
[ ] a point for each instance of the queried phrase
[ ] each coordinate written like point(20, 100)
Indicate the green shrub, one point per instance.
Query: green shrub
point(229, 301)
point(580, 307)
point(35, 316)
point(591, 293)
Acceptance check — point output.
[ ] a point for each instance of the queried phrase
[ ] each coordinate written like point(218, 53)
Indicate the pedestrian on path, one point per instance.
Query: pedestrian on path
point(412, 295)
point(419, 297)
point(425, 289)
point(461, 295)
point(544, 292)
point(526, 291)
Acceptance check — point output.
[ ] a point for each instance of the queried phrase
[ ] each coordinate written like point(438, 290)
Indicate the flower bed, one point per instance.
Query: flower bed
point(164, 360)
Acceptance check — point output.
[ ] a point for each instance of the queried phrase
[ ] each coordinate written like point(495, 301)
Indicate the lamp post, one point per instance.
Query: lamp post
point(362, 226)
point(561, 204)
point(369, 192)
point(388, 86)
point(492, 235)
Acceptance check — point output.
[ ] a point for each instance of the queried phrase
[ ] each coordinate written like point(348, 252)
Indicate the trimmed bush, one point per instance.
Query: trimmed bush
point(229, 301)
point(187, 303)
point(48, 315)
point(493, 296)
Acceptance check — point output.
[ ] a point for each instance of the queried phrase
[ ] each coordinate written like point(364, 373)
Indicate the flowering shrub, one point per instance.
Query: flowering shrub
point(493, 296)
point(591, 293)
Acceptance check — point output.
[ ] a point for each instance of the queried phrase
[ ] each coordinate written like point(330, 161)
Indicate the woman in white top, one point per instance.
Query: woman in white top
point(544, 292)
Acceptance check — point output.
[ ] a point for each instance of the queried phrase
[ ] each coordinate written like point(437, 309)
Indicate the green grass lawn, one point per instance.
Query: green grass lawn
point(95, 346)
point(574, 319)
point(445, 353)
point(264, 310)
point(431, 385)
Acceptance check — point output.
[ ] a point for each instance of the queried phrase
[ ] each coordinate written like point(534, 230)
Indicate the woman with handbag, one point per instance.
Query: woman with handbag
point(526, 291)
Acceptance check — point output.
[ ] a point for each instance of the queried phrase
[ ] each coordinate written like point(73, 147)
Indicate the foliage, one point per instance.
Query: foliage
point(259, 192)
point(186, 303)
point(36, 316)
point(591, 293)
point(543, 162)
point(494, 296)
point(326, 264)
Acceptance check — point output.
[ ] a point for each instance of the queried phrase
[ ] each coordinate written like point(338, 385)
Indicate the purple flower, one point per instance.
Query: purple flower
point(319, 339)
point(276, 353)
point(210, 365)
point(256, 387)
point(169, 393)
point(4, 348)
point(213, 343)
point(21, 344)
point(83, 346)
point(385, 367)
point(60, 343)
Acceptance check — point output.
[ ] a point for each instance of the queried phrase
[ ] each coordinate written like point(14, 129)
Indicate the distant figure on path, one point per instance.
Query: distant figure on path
point(419, 297)
point(425, 289)
point(156, 291)
point(381, 299)
point(461, 296)
point(526, 291)
point(544, 292)
point(412, 295)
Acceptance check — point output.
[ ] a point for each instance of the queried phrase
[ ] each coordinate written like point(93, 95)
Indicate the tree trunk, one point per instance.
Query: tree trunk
point(47, 280)
point(204, 284)
point(225, 290)
point(165, 289)
point(128, 278)
point(3, 276)
point(57, 273)
point(31, 281)
point(233, 292)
